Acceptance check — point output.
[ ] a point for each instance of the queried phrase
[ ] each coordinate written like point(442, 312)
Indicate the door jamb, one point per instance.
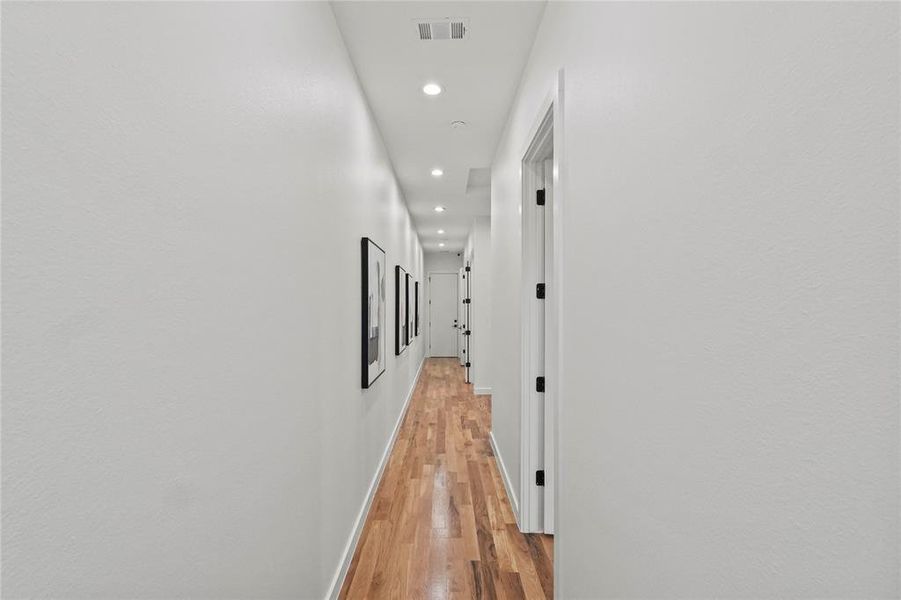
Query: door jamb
point(549, 117)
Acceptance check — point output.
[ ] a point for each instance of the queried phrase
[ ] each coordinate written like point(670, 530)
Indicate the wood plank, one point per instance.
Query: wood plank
point(543, 566)
point(528, 574)
point(512, 586)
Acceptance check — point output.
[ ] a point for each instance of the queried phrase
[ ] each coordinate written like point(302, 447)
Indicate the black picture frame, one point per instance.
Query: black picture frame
point(416, 300)
point(400, 314)
point(409, 295)
point(373, 312)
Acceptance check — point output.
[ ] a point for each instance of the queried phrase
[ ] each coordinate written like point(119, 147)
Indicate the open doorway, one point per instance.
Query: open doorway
point(541, 319)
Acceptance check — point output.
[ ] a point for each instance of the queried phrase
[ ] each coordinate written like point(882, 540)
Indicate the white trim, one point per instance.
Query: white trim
point(532, 415)
point(514, 501)
point(351, 546)
point(534, 422)
point(556, 316)
point(482, 391)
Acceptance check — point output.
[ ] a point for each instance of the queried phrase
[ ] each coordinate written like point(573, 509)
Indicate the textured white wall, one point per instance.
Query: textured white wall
point(730, 420)
point(185, 186)
point(478, 253)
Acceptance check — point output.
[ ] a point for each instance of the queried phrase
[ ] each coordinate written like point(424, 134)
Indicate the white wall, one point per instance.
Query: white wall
point(478, 254)
point(185, 188)
point(437, 262)
point(730, 419)
point(442, 261)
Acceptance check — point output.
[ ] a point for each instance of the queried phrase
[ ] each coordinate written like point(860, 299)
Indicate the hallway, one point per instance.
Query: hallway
point(242, 240)
point(441, 525)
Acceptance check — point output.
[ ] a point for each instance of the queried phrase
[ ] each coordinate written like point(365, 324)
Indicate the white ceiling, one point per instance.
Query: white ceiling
point(479, 76)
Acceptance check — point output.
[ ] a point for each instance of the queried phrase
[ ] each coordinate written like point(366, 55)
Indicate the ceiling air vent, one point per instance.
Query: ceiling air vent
point(442, 29)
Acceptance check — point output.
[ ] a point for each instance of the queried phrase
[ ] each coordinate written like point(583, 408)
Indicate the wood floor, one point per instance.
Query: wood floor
point(440, 525)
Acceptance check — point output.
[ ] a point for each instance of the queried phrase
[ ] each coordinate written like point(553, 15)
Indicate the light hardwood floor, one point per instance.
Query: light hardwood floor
point(441, 525)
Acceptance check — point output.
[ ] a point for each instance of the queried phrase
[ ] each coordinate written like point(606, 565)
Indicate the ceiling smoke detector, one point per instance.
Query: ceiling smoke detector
point(442, 29)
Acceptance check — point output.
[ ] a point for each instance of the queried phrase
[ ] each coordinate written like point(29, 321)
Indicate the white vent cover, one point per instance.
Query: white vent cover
point(442, 29)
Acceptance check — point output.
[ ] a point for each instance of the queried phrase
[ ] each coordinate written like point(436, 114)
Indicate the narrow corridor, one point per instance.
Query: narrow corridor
point(663, 237)
point(441, 524)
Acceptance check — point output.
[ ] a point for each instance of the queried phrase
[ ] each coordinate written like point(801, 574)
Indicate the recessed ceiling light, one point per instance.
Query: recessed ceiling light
point(440, 231)
point(439, 209)
point(441, 245)
point(431, 89)
point(437, 172)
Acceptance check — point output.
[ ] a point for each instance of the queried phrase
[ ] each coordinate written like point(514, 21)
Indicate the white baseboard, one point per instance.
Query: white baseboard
point(481, 391)
point(514, 500)
point(351, 546)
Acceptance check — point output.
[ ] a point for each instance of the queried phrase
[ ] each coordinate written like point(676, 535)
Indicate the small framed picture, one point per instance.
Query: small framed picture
point(409, 292)
point(400, 309)
point(416, 300)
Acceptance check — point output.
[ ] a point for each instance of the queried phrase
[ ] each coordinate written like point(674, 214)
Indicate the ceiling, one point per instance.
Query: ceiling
point(479, 75)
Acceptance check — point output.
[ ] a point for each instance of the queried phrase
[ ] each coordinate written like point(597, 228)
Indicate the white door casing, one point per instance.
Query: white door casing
point(542, 252)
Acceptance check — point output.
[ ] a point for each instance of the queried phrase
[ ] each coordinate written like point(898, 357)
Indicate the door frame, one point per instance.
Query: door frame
point(540, 414)
point(428, 275)
point(467, 317)
point(459, 321)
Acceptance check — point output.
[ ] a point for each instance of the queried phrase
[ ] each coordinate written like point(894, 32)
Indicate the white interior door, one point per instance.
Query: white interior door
point(546, 261)
point(442, 313)
point(467, 320)
point(461, 352)
point(538, 372)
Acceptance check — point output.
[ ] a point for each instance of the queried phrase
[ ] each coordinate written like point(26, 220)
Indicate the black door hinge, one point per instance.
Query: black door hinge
point(539, 197)
point(539, 291)
point(467, 269)
point(468, 365)
point(466, 300)
point(539, 384)
point(539, 477)
point(467, 332)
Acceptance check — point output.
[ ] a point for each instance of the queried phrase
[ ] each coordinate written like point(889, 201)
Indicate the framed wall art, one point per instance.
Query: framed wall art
point(409, 292)
point(400, 309)
point(416, 301)
point(374, 311)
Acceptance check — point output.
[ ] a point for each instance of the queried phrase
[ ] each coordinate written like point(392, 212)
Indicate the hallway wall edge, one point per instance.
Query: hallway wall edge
point(514, 499)
point(354, 538)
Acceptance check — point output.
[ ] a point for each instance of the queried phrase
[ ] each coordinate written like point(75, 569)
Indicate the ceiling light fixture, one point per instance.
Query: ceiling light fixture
point(441, 245)
point(440, 231)
point(458, 124)
point(439, 209)
point(431, 89)
point(437, 172)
